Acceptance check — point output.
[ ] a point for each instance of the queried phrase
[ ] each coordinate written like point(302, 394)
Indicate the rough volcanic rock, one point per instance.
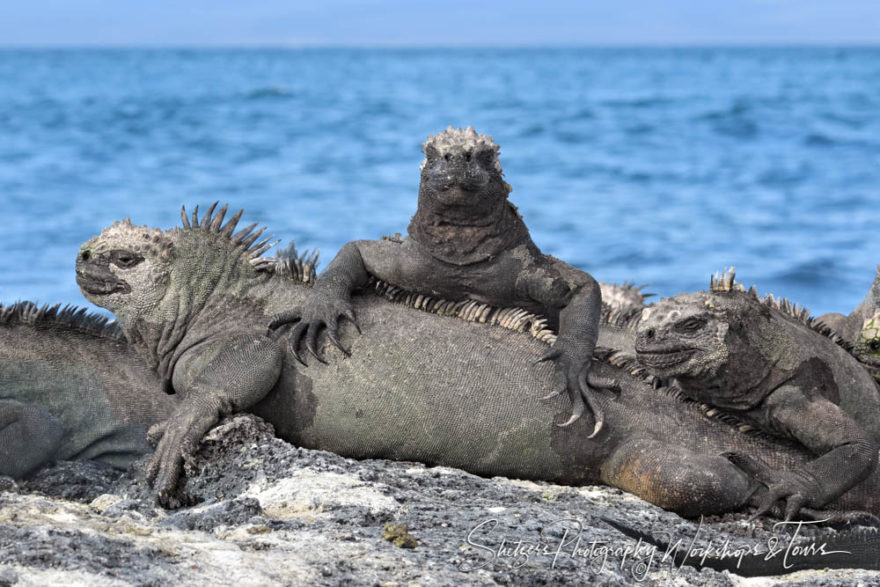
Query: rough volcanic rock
point(266, 512)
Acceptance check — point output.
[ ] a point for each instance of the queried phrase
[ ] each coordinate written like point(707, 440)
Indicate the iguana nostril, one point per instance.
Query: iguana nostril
point(86, 255)
point(649, 333)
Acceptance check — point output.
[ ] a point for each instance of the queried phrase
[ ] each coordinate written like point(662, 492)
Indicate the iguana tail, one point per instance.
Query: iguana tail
point(855, 549)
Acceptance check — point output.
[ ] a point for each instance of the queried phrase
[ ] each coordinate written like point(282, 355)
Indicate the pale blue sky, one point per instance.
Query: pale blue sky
point(186, 23)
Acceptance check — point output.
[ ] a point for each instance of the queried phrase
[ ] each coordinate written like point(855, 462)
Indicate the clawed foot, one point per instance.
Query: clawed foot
point(579, 383)
point(795, 488)
point(322, 311)
point(176, 441)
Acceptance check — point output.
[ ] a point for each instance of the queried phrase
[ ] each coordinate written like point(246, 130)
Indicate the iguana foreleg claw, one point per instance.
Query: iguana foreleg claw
point(321, 311)
point(180, 438)
point(576, 375)
point(797, 488)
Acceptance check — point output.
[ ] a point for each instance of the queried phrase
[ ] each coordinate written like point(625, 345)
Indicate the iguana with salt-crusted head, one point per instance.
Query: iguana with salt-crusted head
point(431, 380)
point(71, 388)
point(466, 241)
point(764, 361)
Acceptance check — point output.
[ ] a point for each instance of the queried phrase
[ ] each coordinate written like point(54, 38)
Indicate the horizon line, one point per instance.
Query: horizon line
point(439, 46)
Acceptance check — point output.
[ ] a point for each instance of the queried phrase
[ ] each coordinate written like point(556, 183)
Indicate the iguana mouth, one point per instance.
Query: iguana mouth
point(99, 285)
point(664, 358)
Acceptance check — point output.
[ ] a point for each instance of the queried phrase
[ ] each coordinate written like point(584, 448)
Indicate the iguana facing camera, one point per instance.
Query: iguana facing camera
point(466, 241)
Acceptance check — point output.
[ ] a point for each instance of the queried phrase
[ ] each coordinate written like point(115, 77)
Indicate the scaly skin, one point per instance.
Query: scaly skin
point(861, 328)
point(71, 388)
point(623, 298)
point(466, 241)
point(418, 386)
point(729, 349)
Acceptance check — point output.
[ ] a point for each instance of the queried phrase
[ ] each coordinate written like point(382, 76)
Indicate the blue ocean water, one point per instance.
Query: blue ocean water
point(658, 166)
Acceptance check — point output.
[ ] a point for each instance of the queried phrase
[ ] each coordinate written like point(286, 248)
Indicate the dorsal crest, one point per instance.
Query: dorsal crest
point(63, 317)
point(725, 282)
point(213, 223)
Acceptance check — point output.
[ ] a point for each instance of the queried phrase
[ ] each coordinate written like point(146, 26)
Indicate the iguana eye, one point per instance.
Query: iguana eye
point(874, 345)
point(691, 324)
point(486, 159)
point(125, 259)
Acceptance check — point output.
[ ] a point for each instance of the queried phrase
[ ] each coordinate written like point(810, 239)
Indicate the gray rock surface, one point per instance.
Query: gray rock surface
point(265, 512)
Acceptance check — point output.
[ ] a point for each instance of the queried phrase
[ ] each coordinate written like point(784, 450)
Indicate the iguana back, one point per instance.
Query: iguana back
point(78, 383)
point(442, 390)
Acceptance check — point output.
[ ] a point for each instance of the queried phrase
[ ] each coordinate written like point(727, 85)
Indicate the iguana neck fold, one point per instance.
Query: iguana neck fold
point(735, 386)
point(203, 306)
point(454, 235)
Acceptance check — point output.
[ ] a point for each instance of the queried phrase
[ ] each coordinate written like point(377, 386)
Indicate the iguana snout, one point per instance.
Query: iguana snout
point(457, 168)
point(93, 273)
point(123, 260)
point(461, 173)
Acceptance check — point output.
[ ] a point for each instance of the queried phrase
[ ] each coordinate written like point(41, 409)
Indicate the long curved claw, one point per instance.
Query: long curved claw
point(331, 334)
point(296, 338)
point(312, 342)
point(587, 393)
point(550, 355)
point(552, 394)
point(577, 410)
point(349, 315)
point(284, 318)
point(778, 486)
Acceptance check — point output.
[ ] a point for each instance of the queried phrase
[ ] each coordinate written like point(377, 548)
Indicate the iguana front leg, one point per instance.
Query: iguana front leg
point(215, 378)
point(848, 455)
point(329, 300)
point(29, 438)
point(580, 307)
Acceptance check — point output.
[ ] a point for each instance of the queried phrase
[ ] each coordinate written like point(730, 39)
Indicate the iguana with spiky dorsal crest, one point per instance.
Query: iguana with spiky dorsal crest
point(763, 360)
point(623, 297)
point(71, 388)
point(466, 241)
point(438, 381)
point(861, 329)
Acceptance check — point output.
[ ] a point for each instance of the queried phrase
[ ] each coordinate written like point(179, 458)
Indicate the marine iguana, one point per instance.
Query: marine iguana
point(420, 385)
point(466, 241)
point(71, 388)
point(763, 361)
point(861, 329)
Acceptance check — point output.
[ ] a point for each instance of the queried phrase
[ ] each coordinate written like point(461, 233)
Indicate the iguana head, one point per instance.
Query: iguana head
point(155, 281)
point(708, 338)
point(125, 262)
point(683, 336)
point(867, 347)
point(461, 175)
